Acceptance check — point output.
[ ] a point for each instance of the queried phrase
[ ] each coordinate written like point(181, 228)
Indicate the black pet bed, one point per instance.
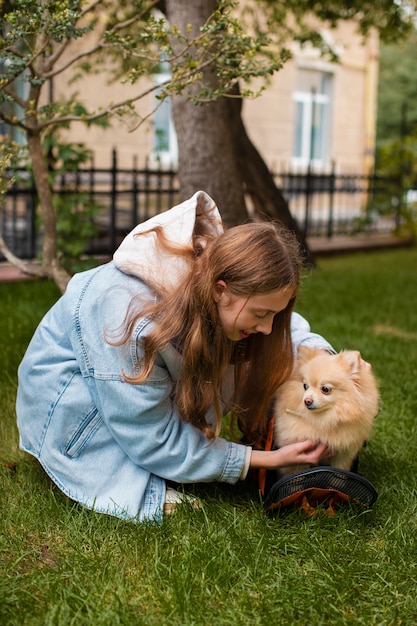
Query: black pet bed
point(322, 486)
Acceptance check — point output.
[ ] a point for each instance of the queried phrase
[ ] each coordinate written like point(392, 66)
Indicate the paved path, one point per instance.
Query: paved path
point(9, 273)
point(323, 246)
point(320, 246)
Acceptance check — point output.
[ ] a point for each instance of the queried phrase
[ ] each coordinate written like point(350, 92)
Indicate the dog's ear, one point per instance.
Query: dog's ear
point(352, 360)
point(305, 353)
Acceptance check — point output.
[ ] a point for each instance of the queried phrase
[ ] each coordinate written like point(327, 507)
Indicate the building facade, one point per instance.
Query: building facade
point(312, 112)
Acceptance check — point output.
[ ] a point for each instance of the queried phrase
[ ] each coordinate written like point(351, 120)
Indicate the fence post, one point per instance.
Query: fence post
point(135, 192)
point(113, 201)
point(159, 188)
point(332, 181)
point(91, 173)
point(307, 204)
point(32, 222)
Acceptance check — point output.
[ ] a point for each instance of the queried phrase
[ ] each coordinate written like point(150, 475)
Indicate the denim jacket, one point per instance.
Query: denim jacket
point(108, 444)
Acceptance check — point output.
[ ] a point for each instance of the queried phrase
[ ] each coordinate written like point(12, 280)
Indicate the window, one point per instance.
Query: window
point(11, 108)
point(312, 117)
point(165, 149)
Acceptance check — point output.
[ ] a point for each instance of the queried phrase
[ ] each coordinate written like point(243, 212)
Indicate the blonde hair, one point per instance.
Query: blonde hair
point(255, 258)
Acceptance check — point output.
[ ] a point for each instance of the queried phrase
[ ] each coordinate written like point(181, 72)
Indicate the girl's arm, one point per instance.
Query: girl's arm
point(308, 451)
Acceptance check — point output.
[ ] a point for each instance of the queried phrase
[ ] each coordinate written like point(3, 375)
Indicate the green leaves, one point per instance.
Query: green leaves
point(55, 19)
point(12, 157)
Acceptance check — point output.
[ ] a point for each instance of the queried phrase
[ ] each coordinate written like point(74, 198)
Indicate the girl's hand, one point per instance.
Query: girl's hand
point(308, 452)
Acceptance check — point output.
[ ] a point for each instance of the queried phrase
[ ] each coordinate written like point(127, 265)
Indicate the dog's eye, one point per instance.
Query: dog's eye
point(326, 390)
point(305, 386)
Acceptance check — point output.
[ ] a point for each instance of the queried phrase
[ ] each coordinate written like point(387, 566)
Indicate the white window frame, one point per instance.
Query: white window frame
point(169, 157)
point(14, 109)
point(311, 102)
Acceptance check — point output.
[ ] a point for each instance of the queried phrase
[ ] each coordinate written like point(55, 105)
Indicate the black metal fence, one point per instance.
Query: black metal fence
point(324, 204)
point(327, 204)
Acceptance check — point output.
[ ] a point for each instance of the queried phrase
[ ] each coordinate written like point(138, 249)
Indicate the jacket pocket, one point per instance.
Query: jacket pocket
point(82, 435)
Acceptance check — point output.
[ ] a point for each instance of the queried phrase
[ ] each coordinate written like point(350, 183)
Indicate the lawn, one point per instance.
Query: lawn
point(230, 564)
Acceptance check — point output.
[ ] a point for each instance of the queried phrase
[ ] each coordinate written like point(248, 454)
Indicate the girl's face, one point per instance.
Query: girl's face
point(241, 316)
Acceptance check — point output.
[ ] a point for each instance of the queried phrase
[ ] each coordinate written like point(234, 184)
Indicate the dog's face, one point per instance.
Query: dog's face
point(327, 379)
point(332, 398)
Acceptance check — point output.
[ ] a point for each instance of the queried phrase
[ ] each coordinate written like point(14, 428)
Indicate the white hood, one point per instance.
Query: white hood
point(140, 255)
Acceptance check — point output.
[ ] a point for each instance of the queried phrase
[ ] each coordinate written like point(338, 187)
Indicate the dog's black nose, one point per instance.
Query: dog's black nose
point(308, 402)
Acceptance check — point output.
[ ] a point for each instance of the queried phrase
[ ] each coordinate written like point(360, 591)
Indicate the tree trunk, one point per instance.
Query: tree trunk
point(51, 266)
point(206, 150)
point(258, 182)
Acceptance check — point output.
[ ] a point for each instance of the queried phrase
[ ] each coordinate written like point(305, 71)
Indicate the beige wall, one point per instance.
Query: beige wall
point(270, 119)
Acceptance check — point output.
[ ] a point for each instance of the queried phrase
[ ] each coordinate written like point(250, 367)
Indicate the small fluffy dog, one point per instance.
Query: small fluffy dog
point(331, 398)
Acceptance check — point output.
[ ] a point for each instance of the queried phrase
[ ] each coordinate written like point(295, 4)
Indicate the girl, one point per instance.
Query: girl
point(125, 382)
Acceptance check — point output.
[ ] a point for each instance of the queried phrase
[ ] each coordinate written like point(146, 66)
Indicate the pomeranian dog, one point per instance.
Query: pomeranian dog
point(331, 398)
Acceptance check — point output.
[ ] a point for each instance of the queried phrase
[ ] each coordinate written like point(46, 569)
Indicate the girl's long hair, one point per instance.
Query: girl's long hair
point(252, 259)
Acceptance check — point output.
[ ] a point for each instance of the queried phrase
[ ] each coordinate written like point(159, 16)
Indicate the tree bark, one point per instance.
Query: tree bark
point(257, 180)
point(206, 150)
point(51, 266)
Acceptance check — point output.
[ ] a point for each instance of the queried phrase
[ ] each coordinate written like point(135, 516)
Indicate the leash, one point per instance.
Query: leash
point(268, 447)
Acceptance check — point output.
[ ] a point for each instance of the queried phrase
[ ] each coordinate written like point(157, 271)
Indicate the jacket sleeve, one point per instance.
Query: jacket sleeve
point(302, 335)
point(144, 421)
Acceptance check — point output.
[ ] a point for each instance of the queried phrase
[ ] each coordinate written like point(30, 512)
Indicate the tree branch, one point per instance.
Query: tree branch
point(98, 46)
point(107, 111)
point(19, 101)
point(134, 19)
point(91, 7)
point(25, 267)
point(12, 122)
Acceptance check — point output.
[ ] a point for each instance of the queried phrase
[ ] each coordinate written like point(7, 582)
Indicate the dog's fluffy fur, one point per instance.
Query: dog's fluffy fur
point(331, 398)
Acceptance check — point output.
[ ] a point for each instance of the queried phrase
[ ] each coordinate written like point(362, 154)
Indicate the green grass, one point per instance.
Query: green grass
point(229, 563)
